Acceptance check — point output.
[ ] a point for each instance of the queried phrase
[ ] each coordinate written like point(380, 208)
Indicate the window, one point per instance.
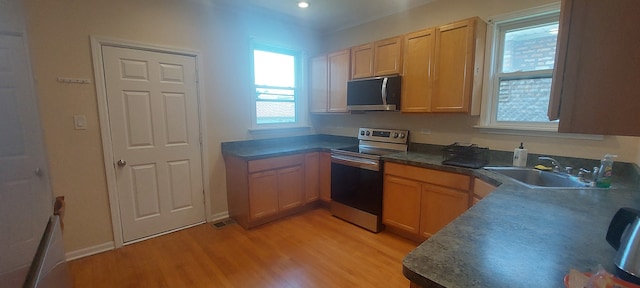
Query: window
point(524, 50)
point(276, 86)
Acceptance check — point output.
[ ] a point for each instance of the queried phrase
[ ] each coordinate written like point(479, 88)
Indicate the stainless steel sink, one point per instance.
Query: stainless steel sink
point(541, 179)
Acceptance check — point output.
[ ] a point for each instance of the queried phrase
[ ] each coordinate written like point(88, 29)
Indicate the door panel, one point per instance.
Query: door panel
point(145, 190)
point(138, 118)
point(179, 176)
point(153, 114)
point(176, 115)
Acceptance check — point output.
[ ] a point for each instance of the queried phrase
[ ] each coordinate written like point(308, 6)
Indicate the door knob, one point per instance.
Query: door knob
point(122, 163)
point(38, 172)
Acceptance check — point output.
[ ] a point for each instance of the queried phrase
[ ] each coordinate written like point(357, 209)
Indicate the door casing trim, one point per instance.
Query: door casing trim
point(97, 42)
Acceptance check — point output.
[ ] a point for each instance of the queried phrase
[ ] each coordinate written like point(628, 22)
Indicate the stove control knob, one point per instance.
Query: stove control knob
point(395, 135)
point(368, 133)
point(362, 132)
point(402, 135)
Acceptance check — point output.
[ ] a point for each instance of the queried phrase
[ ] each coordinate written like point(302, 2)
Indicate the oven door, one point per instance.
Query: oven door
point(357, 183)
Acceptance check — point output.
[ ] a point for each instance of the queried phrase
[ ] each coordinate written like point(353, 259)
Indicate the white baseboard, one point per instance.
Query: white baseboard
point(84, 252)
point(218, 216)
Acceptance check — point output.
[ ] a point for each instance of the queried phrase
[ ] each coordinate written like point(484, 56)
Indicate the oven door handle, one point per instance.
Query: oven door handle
point(356, 162)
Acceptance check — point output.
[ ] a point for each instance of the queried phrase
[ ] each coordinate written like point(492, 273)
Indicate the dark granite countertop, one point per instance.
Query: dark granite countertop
point(266, 148)
point(515, 237)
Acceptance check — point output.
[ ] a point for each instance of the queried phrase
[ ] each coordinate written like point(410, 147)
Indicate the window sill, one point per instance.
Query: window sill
point(266, 130)
point(549, 132)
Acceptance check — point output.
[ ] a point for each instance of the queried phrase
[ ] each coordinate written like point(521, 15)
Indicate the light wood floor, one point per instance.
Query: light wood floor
point(313, 249)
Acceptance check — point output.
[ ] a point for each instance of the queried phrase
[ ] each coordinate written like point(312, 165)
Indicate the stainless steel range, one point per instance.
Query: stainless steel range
point(356, 176)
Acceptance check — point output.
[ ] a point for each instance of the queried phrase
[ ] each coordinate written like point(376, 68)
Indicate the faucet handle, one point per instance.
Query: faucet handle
point(568, 169)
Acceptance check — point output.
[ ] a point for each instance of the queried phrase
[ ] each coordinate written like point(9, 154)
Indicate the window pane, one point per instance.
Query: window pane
point(530, 49)
point(524, 100)
point(275, 112)
point(274, 69)
point(275, 94)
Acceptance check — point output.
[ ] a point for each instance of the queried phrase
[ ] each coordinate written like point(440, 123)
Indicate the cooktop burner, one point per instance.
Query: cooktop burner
point(376, 142)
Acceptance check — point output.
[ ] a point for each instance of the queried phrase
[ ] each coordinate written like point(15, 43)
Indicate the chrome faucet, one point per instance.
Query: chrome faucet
point(557, 167)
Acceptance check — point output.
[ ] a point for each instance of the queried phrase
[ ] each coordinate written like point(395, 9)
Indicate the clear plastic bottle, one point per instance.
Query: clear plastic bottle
point(606, 171)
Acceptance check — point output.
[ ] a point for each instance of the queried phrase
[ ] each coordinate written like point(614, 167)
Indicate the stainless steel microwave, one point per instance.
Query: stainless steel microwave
point(374, 94)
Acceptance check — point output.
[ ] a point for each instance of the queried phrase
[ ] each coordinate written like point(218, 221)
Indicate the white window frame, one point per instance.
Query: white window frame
point(492, 62)
point(299, 90)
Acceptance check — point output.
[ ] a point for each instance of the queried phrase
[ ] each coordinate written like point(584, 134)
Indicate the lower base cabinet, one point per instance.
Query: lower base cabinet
point(418, 202)
point(259, 191)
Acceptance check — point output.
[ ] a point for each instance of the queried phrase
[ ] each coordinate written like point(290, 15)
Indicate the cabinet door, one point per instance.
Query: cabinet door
point(481, 189)
point(401, 204)
point(362, 61)
point(595, 81)
point(338, 77)
point(459, 60)
point(388, 56)
point(440, 205)
point(325, 177)
point(263, 194)
point(453, 50)
point(290, 187)
point(418, 65)
point(318, 83)
point(312, 177)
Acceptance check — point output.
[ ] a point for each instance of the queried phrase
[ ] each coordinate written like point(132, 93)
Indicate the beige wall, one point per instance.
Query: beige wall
point(446, 129)
point(59, 42)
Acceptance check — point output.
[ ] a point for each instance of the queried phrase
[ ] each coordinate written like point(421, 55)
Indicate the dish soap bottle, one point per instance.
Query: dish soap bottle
point(520, 156)
point(605, 172)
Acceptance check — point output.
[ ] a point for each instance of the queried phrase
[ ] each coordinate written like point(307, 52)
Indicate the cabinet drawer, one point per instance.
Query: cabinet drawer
point(275, 162)
point(447, 179)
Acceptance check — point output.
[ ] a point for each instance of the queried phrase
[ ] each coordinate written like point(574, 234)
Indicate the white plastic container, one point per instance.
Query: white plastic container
point(520, 156)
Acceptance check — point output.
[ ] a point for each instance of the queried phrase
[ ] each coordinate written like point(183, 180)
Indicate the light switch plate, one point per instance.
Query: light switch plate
point(80, 122)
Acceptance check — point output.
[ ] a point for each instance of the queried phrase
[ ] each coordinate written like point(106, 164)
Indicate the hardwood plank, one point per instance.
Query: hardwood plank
point(312, 249)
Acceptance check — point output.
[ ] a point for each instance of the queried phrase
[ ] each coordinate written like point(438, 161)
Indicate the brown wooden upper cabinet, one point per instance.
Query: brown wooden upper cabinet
point(597, 67)
point(443, 68)
point(379, 58)
point(328, 82)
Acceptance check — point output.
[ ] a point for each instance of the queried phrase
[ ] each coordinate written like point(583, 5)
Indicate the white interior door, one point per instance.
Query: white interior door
point(26, 201)
point(153, 113)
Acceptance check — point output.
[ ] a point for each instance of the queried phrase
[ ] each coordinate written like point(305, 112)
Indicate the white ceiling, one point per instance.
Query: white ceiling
point(331, 15)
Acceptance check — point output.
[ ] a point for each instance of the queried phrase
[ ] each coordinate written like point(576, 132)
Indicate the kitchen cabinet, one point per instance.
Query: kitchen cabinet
point(312, 177)
point(325, 177)
point(418, 202)
point(328, 76)
point(262, 190)
point(418, 65)
point(481, 189)
point(379, 58)
point(362, 61)
point(328, 82)
point(338, 77)
point(597, 65)
point(319, 84)
point(443, 68)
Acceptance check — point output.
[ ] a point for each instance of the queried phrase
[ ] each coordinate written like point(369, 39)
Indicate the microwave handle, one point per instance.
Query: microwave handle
point(384, 91)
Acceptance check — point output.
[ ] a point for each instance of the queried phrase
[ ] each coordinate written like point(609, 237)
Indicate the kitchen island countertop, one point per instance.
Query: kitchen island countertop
point(518, 236)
